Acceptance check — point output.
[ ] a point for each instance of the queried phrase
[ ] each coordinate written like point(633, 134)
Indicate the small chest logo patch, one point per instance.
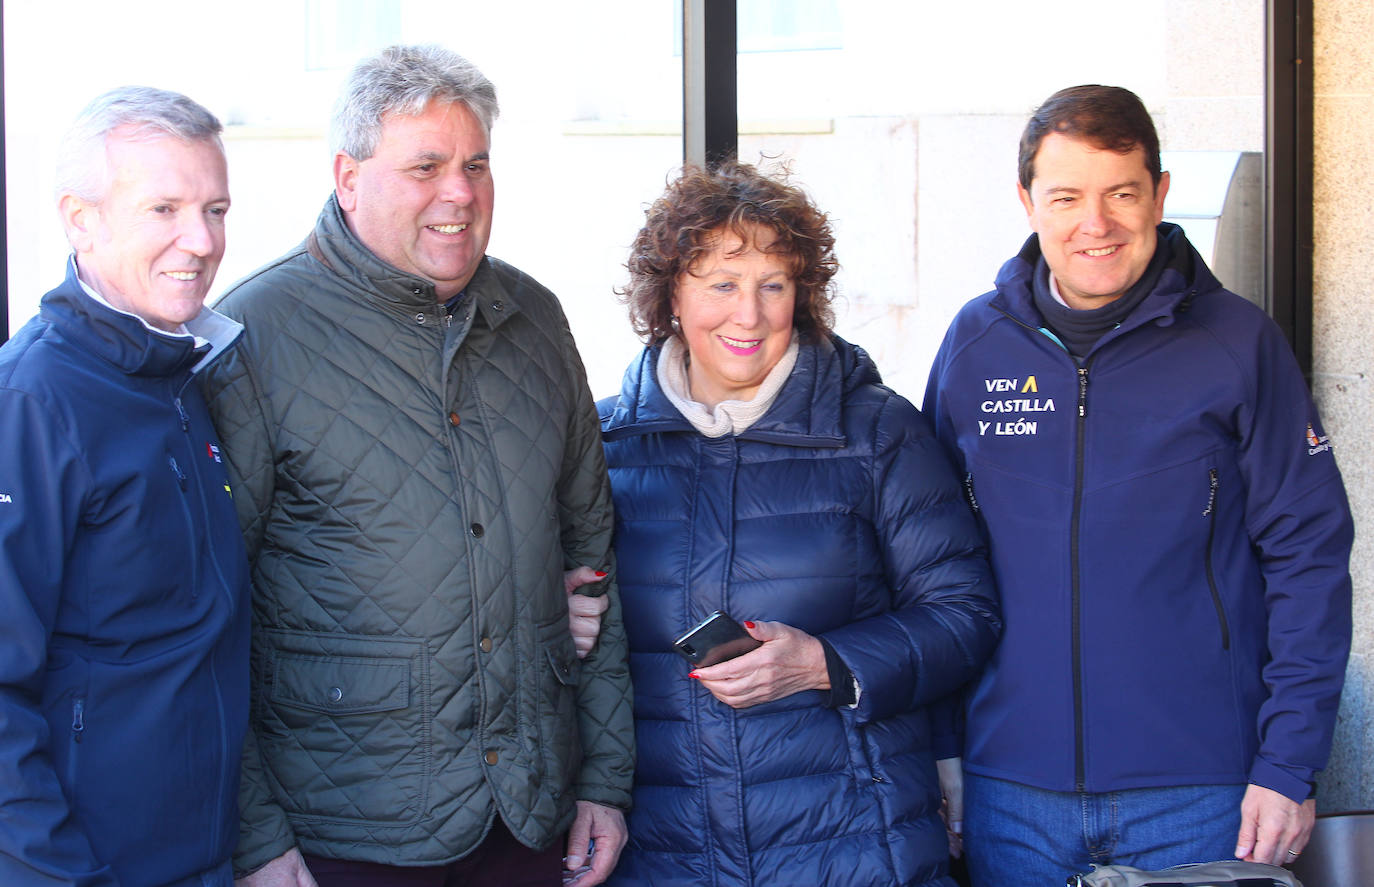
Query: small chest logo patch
point(1023, 411)
point(212, 451)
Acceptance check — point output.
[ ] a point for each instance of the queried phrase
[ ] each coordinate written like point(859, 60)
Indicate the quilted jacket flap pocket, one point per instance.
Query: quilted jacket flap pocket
point(341, 684)
point(566, 666)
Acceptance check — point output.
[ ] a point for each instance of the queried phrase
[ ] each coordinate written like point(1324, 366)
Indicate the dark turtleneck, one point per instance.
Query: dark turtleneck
point(1080, 330)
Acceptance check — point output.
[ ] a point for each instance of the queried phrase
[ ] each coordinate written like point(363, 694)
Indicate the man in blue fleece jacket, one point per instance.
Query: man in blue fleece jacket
point(1167, 525)
point(123, 578)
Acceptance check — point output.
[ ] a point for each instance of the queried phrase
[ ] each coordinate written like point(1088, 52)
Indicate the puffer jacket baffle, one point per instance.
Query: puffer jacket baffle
point(837, 513)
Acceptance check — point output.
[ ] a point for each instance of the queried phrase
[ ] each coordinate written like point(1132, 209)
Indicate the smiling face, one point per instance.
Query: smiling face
point(735, 307)
point(152, 243)
point(423, 201)
point(1095, 212)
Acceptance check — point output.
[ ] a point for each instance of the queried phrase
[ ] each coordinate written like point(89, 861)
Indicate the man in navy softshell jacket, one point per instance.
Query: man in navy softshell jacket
point(123, 579)
point(1167, 526)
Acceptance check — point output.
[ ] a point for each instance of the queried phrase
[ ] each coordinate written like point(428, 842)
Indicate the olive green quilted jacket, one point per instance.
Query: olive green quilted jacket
point(412, 486)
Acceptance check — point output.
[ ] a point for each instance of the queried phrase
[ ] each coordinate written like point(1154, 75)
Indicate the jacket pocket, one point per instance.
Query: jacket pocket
point(345, 727)
point(864, 774)
point(74, 752)
point(1210, 512)
point(559, 740)
point(341, 685)
point(192, 531)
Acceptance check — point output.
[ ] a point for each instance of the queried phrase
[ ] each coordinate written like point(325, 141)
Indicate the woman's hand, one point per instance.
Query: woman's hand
point(584, 611)
point(789, 661)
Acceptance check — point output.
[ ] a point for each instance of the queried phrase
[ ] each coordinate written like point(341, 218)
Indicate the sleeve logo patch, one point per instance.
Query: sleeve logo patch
point(1317, 444)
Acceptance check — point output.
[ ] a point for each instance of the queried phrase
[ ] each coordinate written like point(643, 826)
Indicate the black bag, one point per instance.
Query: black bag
point(1227, 873)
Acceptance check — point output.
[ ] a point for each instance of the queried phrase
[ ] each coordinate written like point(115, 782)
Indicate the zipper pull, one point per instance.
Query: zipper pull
point(181, 412)
point(1082, 392)
point(176, 469)
point(78, 719)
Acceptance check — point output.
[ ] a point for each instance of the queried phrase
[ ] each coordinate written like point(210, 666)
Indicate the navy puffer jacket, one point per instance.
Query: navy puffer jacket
point(837, 513)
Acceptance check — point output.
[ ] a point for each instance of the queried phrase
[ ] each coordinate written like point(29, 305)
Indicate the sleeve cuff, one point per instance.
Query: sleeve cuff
point(1271, 776)
point(844, 689)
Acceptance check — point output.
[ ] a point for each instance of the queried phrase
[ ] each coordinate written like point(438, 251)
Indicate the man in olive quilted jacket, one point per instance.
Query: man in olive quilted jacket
point(417, 463)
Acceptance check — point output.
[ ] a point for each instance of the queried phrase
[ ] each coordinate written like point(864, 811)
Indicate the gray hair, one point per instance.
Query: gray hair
point(404, 80)
point(81, 166)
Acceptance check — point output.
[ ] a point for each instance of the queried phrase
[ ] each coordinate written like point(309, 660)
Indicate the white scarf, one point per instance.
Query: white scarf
point(729, 416)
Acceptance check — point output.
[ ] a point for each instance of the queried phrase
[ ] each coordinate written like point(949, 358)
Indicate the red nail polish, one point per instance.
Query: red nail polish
point(749, 625)
point(601, 574)
point(694, 676)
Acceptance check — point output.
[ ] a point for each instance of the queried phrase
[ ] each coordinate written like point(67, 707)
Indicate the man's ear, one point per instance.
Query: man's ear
point(1024, 196)
point(1161, 191)
point(78, 218)
point(346, 181)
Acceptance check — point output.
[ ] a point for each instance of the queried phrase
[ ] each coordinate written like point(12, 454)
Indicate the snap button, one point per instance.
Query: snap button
point(416, 290)
point(492, 757)
point(453, 419)
point(485, 644)
point(335, 694)
point(498, 305)
point(419, 318)
point(477, 531)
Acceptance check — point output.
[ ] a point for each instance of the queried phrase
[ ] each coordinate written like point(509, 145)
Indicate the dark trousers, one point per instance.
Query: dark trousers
point(499, 861)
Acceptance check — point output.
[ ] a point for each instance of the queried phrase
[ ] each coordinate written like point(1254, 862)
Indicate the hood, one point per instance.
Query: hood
point(1184, 278)
point(125, 341)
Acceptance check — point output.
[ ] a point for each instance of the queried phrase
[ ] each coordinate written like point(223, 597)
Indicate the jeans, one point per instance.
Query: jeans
point(1028, 837)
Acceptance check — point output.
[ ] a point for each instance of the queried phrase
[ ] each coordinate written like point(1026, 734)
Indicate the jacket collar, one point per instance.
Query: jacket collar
point(335, 246)
point(125, 341)
point(808, 410)
point(1184, 278)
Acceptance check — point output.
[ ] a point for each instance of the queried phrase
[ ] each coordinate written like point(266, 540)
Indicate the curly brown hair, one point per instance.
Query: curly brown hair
point(679, 229)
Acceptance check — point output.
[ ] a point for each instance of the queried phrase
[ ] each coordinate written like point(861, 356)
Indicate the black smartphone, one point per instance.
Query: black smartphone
point(716, 639)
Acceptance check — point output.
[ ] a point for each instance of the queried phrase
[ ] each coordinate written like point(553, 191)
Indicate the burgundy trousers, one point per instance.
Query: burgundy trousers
point(499, 861)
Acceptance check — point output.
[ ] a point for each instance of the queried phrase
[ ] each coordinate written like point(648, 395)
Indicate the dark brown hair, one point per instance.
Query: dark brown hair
point(1107, 117)
point(679, 227)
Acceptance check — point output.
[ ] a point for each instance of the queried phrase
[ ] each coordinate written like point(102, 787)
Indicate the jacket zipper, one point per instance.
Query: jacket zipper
point(968, 492)
point(1075, 618)
point(176, 469)
point(78, 727)
point(1213, 483)
point(203, 487)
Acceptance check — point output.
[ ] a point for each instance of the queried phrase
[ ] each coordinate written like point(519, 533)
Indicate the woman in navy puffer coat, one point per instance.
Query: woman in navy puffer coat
point(760, 467)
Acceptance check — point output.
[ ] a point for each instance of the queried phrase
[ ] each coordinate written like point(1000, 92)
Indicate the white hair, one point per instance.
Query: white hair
point(404, 80)
point(81, 165)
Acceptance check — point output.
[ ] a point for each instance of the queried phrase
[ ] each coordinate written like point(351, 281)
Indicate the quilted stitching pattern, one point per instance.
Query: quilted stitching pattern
point(382, 531)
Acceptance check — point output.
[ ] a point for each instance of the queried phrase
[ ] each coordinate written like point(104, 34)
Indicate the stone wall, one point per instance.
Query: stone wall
point(1343, 346)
